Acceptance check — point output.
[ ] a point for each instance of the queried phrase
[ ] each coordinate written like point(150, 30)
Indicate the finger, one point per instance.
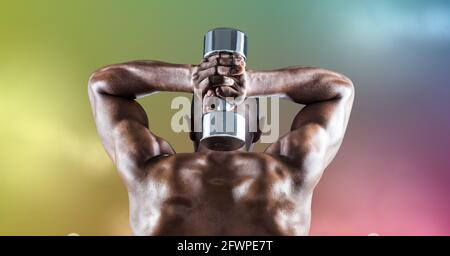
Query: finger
point(225, 58)
point(209, 93)
point(240, 85)
point(221, 81)
point(208, 64)
point(239, 99)
point(222, 55)
point(232, 58)
point(231, 62)
point(225, 54)
point(202, 74)
point(213, 57)
point(202, 87)
point(226, 91)
point(230, 71)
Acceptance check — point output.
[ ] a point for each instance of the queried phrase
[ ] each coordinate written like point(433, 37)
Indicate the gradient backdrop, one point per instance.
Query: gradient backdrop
point(391, 176)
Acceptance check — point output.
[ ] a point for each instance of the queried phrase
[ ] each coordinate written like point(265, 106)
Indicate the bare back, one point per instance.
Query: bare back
point(216, 192)
point(237, 193)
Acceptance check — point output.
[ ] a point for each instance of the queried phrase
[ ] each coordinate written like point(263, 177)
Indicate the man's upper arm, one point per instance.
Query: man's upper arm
point(123, 128)
point(315, 137)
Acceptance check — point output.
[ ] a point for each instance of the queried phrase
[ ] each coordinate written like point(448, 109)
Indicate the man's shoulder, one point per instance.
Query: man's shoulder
point(167, 159)
point(206, 158)
point(219, 154)
point(258, 163)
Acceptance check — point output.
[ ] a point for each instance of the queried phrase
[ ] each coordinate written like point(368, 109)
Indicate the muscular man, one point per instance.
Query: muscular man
point(220, 192)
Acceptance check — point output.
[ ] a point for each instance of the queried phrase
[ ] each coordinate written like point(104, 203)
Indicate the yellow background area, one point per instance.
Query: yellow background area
point(55, 177)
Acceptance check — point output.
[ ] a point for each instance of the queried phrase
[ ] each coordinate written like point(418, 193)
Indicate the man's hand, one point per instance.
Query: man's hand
point(222, 75)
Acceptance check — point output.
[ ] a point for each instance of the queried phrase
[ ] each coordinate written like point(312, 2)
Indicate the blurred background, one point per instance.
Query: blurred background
point(391, 176)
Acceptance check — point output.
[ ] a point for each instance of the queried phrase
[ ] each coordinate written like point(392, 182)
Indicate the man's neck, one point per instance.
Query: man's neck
point(204, 149)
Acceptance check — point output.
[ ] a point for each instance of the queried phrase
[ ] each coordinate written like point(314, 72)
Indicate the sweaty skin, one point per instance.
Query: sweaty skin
point(220, 192)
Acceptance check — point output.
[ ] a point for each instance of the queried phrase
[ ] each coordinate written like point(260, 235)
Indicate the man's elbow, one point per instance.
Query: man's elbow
point(103, 80)
point(343, 86)
point(349, 88)
point(98, 80)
